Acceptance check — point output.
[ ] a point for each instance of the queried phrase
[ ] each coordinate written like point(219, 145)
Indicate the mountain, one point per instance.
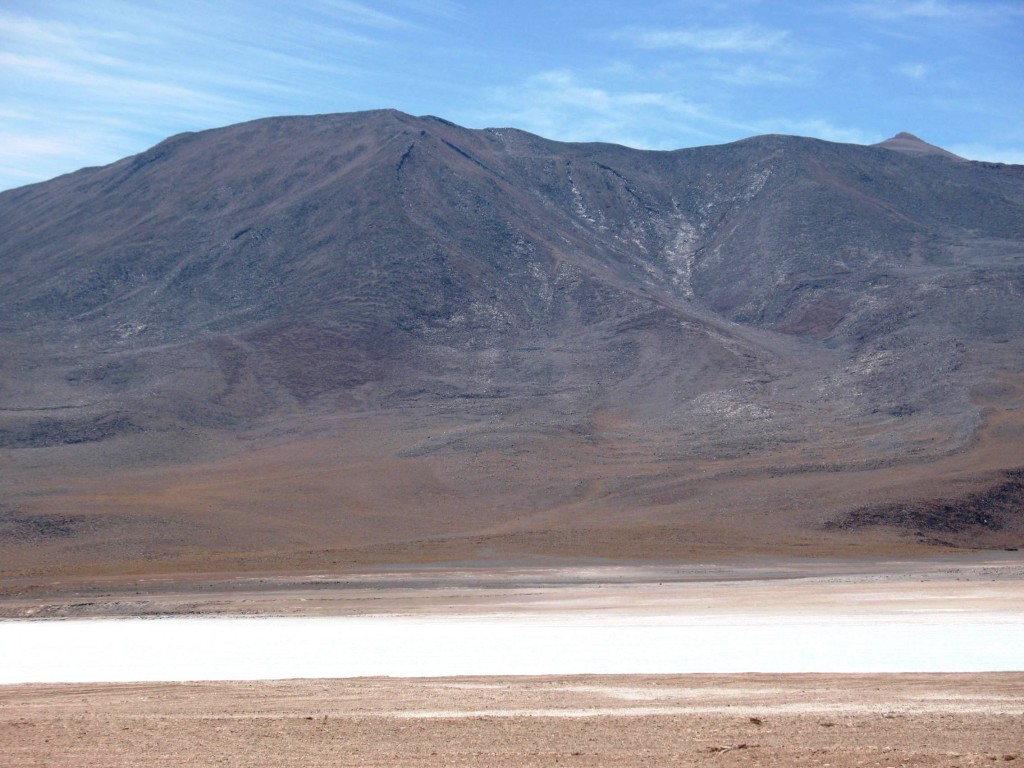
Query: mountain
point(912, 145)
point(375, 337)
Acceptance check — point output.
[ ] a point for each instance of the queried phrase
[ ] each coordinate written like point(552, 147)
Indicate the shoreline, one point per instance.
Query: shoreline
point(473, 588)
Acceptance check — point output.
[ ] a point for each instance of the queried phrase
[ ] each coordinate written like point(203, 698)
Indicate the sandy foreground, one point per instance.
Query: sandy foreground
point(790, 720)
point(951, 719)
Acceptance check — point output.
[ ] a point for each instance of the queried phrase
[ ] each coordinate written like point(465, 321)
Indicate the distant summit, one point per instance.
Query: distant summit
point(910, 144)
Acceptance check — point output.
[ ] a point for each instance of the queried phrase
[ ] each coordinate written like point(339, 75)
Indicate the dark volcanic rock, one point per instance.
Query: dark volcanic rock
point(961, 521)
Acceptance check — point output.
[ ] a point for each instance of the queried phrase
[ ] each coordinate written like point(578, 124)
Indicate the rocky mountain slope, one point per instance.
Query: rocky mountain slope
point(377, 336)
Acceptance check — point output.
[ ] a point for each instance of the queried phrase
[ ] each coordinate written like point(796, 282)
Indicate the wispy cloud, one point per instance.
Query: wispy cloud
point(53, 149)
point(72, 40)
point(362, 14)
point(977, 11)
point(559, 104)
point(818, 128)
point(913, 71)
point(745, 55)
point(87, 83)
point(990, 152)
point(57, 71)
point(921, 9)
point(741, 39)
point(134, 74)
point(749, 75)
point(451, 10)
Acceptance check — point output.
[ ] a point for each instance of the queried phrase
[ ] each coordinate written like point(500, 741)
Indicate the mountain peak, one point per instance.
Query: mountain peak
point(910, 144)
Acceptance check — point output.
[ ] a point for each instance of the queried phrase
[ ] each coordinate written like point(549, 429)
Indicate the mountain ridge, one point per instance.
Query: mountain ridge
point(544, 334)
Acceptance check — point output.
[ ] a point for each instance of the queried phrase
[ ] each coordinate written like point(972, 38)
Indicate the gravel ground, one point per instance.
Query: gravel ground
point(792, 720)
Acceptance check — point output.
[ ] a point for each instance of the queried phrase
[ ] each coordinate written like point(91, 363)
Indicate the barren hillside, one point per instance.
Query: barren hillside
point(375, 337)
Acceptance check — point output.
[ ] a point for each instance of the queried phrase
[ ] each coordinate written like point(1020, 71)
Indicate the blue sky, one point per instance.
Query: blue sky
point(86, 83)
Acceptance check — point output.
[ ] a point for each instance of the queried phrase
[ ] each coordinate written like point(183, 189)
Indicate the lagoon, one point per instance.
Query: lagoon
point(269, 648)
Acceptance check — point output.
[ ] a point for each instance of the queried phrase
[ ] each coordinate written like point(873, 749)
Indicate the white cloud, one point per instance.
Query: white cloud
point(446, 9)
point(558, 105)
point(70, 39)
point(28, 156)
point(750, 75)
point(747, 55)
point(362, 14)
point(989, 152)
point(162, 71)
point(53, 70)
point(563, 105)
point(937, 10)
point(744, 39)
point(913, 71)
point(120, 75)
point(817, 128)
point(14, 145)
point(890, 9)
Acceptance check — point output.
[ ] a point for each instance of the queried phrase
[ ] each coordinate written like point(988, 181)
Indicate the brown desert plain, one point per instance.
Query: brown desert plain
point(789, 720)
point(381, 365)
point(947, 719)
